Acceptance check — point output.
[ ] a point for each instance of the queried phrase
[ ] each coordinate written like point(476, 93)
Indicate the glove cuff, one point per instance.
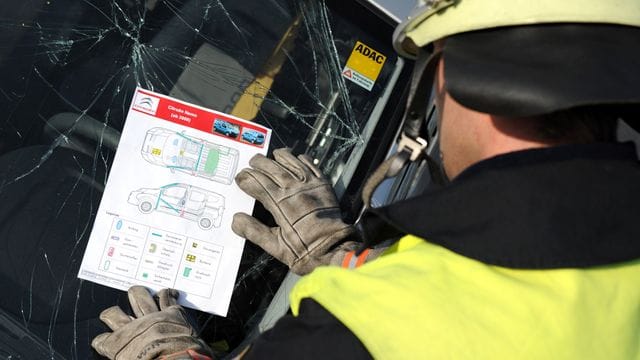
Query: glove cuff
point(340, 249)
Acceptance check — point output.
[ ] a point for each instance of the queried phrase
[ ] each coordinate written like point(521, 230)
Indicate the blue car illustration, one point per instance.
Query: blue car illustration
point(252, 136)
point(226, 128)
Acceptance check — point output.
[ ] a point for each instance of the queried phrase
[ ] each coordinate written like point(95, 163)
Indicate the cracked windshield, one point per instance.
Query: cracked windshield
point(69, 70)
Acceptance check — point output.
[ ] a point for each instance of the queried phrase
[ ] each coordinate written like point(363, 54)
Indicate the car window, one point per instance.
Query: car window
point(196, 196)
point(68, 71)
point(175, 192)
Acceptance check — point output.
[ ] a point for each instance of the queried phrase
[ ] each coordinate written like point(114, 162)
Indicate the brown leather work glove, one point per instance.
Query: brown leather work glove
point(152, 333)
point(310, 229)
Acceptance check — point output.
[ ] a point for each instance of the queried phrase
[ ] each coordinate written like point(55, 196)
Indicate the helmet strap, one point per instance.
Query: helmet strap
point(411, 146)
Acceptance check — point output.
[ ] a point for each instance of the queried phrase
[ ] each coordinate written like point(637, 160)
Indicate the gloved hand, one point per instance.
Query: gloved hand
point(152, 333)
point(310, 229)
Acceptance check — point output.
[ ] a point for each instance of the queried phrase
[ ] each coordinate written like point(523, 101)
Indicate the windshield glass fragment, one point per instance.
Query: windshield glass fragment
point(68, 70)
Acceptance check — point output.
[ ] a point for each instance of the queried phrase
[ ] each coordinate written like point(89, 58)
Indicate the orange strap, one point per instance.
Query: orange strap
point(351, 261)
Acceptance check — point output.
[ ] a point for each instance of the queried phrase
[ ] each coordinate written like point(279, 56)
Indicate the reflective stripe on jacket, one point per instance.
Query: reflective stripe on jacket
point(420, 300)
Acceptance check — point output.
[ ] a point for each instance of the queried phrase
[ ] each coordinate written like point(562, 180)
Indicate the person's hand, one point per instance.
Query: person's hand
point(310, 229)
point(152, 333)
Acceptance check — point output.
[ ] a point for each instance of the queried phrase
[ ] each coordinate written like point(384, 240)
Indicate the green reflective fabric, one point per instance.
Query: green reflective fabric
point(420, 300)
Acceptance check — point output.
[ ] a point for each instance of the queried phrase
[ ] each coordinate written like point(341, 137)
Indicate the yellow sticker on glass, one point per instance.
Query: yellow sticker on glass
point(364, 65)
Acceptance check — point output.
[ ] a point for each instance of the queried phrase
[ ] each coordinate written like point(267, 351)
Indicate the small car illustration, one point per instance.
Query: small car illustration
point(252, 136)
point(226, 128)
point(190, 155)
point(182, 200)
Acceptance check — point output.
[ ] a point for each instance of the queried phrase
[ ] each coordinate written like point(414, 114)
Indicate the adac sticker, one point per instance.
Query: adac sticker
point(364, 65)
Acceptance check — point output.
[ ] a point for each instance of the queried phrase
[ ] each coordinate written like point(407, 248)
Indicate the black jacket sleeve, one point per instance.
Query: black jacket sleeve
point(314, 334)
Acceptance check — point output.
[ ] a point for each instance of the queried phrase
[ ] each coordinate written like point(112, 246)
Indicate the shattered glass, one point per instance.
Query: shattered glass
point(68, 70)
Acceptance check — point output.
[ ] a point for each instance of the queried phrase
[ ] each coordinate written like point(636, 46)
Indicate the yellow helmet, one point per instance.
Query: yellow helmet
point(522, 58)
point(432, 20)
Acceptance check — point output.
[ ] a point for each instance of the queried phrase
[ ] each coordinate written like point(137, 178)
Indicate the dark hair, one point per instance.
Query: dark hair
point(584, 124)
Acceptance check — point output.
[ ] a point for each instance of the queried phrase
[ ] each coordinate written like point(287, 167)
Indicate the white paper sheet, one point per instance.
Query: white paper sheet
point(165, 217)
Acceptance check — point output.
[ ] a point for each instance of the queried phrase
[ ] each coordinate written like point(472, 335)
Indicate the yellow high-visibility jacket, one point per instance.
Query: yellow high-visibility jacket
point(422, 301)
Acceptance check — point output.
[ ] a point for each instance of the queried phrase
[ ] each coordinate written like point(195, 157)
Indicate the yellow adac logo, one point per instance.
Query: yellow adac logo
point(366, 61)
point(370, 53)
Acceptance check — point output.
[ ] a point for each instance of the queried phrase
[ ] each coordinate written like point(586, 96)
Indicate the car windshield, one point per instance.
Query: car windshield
point(68, 71)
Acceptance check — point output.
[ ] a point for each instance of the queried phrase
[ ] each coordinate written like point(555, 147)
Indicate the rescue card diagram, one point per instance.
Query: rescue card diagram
point(165, 217)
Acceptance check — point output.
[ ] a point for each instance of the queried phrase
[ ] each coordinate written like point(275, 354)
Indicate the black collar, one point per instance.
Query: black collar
point(566, 206)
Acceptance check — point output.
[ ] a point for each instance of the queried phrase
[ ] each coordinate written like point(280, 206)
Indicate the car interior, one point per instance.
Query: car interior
point(68, 71)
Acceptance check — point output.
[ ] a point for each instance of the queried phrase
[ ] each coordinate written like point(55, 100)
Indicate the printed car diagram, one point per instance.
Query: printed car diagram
point(252, 136)
point(226, 128)
point(183, 200)
point(190, 155)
